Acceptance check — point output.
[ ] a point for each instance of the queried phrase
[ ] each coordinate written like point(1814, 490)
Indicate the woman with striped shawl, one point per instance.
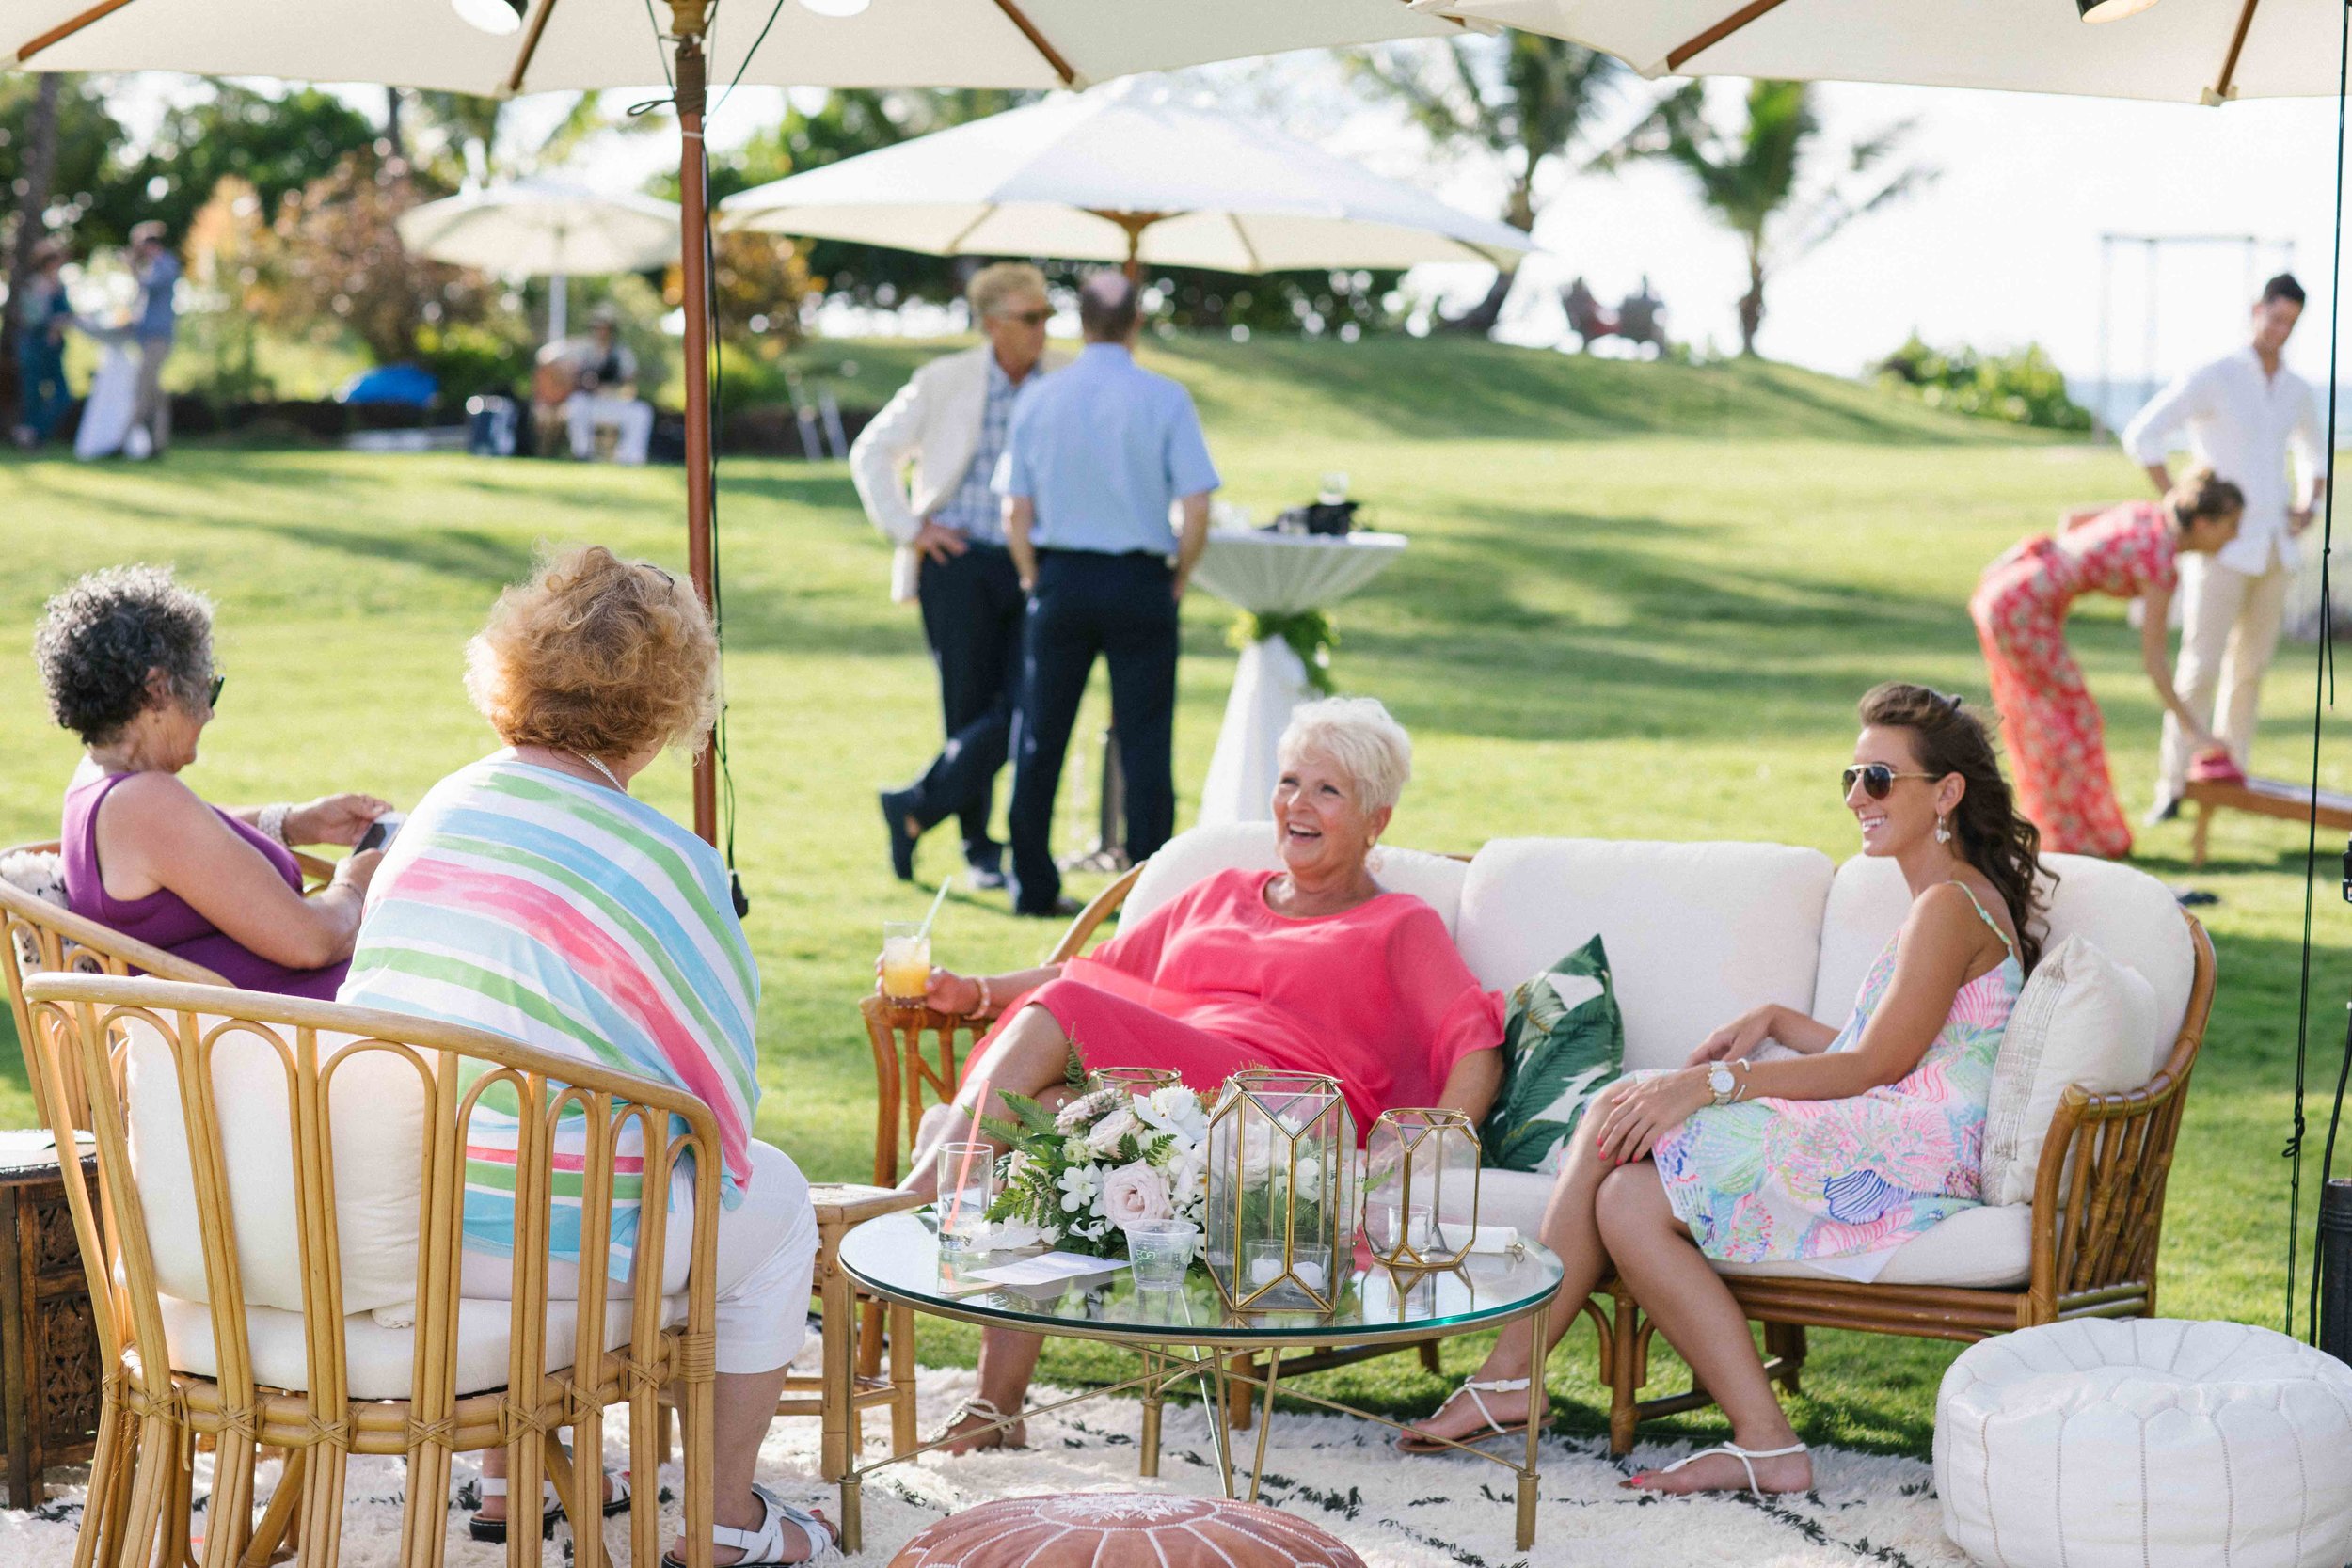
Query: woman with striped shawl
point(529, 895)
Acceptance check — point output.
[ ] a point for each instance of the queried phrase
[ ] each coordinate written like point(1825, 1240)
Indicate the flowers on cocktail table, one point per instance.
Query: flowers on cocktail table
point(1107, 1159)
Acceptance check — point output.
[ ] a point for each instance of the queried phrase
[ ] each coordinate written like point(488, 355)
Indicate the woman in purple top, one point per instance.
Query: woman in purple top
point(126, 655)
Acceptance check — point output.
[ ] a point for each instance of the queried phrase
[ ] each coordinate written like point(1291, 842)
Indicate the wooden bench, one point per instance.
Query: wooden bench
point(2264, 797)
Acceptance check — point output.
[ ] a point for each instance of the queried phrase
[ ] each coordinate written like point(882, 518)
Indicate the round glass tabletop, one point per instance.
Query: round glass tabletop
point(897, 1257)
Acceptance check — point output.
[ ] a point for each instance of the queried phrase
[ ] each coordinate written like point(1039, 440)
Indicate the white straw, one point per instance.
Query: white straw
point(945, 884)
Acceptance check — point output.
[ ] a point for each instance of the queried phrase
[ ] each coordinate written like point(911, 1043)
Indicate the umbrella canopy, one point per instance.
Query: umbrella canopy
point(569, 44)
point(544, 228)
point(1122, 174)
point(2185, 51)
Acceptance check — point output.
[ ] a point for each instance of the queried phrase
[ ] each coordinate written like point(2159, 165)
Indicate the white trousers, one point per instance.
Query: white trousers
point(586, 413)
point(767, 1262)
point(2229, 630)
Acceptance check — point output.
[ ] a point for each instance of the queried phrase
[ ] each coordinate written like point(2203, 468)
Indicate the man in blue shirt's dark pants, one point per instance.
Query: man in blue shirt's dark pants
point(1098, 457)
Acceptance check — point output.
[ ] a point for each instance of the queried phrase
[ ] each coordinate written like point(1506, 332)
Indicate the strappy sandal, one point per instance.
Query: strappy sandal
point(493, 1531)
point(1745, 1456)
point(1408, 1443)
point(764, 1547)
point(1012, 1434)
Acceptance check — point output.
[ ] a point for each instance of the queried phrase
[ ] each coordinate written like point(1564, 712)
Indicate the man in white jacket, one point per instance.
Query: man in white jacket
point(2243, 413)
point(924, 470)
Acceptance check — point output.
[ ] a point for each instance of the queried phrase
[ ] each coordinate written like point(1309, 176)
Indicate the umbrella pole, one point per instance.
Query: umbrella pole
point(689, 17)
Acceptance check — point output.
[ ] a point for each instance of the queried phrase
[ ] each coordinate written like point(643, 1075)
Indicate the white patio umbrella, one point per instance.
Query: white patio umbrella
point(1131, 172)
point(2184, 51)
point(550, 229)
point(505, 47)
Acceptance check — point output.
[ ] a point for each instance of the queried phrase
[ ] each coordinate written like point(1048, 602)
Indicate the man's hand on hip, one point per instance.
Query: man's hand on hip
point(2299, 519)
point(937, 543)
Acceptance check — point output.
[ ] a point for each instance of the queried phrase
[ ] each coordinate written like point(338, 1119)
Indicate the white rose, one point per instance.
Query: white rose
point(1134, 1193)
point(1113, 1129)
point(1176, 1111)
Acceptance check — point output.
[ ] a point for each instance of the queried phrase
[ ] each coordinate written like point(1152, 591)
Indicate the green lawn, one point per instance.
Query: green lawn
point(1641, 601)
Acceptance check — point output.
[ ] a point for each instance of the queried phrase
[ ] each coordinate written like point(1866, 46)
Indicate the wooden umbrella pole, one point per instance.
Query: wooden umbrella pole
point(689, 19)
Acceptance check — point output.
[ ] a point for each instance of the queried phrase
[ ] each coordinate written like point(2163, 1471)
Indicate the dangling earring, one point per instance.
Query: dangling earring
point(1943, 834)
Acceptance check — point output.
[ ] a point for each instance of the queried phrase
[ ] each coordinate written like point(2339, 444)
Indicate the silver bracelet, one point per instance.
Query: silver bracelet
point(271, 819)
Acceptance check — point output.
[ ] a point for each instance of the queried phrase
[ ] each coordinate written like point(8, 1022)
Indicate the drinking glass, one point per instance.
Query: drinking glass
point(1160, 1251)
point(967, 1184)
point(906, 962)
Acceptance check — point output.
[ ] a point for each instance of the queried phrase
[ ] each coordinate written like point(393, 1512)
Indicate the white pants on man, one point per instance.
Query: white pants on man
point(632, 418)
point(2229, 629)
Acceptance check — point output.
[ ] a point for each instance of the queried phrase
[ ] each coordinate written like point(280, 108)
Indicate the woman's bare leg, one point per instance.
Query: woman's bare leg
point(1031, 1057)
point(1694, 1309)
point(1572, 1230)
point(1008, 1360)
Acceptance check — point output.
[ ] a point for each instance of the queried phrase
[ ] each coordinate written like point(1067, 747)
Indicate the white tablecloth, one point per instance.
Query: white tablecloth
point(1273, 573)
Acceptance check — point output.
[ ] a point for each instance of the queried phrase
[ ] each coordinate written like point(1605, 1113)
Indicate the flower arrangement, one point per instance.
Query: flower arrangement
point(1107, 1159)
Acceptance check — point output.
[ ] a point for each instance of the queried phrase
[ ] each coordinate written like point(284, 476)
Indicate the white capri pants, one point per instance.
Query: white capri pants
point(584, 412)
point(767, 1260)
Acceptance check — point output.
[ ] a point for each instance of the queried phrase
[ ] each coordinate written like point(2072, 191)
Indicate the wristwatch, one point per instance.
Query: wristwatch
point(1720, 1082)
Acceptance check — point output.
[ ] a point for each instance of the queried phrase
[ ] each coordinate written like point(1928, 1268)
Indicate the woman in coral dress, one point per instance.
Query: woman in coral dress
point(1313, 968)
point(1836, 1150)
point(2048, 719)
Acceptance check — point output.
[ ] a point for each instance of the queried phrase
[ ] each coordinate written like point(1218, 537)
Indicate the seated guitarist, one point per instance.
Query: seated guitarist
point(592, 380)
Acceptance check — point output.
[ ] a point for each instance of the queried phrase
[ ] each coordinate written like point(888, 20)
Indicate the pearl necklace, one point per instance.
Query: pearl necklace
point(610, 776)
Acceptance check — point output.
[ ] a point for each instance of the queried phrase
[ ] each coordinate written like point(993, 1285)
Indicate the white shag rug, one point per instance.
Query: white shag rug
point(1340, 1473)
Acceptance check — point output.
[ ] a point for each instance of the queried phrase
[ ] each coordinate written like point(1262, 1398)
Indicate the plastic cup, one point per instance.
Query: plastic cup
point(1160, 1251)
point(906, 962)
point(967, 1184)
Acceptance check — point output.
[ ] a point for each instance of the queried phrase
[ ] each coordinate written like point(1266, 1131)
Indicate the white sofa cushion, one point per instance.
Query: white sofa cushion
point(1435, 879)
point(2131, 916)
point(377, 1122)
point(1697, 933)
point(2083, 1018)
point(379, 1362)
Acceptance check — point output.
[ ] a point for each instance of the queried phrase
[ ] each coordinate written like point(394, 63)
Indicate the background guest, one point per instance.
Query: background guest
point(41, 318)
point(154, 322)
point(1097, 457)
point(126, 655)
point(602, 372)
point(2243, 413)
point(532, 896)
point(944, 431)
point(2048, 719)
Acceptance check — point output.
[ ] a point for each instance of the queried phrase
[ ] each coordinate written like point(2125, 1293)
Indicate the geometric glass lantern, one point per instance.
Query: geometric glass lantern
point(1421, 1188)
point(1135, 1079)
point(1281, 1211)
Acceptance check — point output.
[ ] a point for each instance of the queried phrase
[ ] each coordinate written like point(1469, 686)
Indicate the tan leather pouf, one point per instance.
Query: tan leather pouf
point(1123, 1529)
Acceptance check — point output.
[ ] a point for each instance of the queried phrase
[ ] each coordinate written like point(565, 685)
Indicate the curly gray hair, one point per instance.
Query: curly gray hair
point(99, 637)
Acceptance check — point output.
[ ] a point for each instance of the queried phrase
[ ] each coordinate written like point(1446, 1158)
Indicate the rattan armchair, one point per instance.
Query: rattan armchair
point(134, 1039)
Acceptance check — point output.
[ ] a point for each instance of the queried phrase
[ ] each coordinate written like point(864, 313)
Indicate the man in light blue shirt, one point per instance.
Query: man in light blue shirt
point(154, 322)
point(1097, 458)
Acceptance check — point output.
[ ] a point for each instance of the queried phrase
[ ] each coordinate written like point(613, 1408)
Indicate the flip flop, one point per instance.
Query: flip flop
point(1745, 1456)
point(1408, 1443)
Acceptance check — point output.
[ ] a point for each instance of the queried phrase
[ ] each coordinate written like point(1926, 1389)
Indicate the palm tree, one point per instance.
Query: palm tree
point(1519, 101)
point(1754, 176)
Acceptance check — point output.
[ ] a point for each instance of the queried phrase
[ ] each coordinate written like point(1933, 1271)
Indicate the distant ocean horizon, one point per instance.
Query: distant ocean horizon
point(2114, 402)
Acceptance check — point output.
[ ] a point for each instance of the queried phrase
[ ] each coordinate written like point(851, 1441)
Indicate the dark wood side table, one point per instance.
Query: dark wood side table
point(49, 1361)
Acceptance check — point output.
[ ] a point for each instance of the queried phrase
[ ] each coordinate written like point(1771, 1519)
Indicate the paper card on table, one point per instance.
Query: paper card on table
point(1487, 1238)
point(1048, 1268)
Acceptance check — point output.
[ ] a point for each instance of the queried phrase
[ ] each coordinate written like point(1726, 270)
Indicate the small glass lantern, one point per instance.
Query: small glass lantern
point(1135, 1079)
point(1421, 1188)
point(1280, 1221)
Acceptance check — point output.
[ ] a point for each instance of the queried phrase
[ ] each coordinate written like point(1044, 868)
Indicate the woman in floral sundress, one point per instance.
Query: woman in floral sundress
point(1835, 1150)
point(2055, 740)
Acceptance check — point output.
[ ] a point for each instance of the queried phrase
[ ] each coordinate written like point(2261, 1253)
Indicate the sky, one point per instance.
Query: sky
point(2003, 249)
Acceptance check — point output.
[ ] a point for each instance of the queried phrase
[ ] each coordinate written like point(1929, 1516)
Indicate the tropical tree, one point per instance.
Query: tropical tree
point(1768, 177)
point(1517, 102)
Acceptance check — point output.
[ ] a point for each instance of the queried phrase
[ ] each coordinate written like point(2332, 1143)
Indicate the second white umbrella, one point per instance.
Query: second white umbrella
point(545, 228)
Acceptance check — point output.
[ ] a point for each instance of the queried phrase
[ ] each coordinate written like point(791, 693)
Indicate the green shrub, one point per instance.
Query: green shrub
point(2022, 386)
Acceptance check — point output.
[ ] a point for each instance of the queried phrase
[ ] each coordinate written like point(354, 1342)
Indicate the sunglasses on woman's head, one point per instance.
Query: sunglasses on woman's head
point(1878, 779)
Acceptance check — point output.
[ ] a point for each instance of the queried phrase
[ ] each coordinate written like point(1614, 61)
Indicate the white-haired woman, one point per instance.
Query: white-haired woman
point(1315, 967)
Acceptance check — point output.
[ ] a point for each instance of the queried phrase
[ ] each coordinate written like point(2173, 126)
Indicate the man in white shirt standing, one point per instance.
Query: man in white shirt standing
point(944, 431)
point(2243, 412)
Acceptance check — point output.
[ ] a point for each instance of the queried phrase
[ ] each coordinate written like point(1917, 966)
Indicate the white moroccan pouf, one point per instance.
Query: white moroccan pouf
point(2098, 1443)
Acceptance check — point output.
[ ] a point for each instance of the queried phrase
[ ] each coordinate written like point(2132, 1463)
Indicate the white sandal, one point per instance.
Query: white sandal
point(1745, 1456)
point(977, 1407)
point(493, 1531)
point(764, 1547)
point(1408, 1443)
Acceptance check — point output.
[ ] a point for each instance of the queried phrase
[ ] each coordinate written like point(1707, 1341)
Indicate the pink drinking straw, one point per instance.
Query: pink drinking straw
point(963, 1171)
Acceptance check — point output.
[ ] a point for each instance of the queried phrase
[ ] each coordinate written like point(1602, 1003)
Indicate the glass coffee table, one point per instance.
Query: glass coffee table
point(1188, 1333)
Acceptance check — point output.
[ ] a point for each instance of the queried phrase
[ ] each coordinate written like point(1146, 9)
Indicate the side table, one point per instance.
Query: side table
point(49, 1360)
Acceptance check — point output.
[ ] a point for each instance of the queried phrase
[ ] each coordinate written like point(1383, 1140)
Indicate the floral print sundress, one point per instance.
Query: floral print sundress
point(1844, 1183)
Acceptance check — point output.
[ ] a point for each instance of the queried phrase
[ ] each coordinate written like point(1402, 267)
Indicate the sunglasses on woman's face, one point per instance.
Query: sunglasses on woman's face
point(1878, 779)
point(212, 695)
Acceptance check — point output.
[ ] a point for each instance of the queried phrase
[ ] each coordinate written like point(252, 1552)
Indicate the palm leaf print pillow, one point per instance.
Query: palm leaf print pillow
point(1562, 1044)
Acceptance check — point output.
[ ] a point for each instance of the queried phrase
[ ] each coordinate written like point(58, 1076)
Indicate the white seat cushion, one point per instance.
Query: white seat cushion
point(379, 1361)
point(2101, 1443)
point(1984, 1248)
point(2131, 916)
point(1697, 933)
point(1435, 880)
